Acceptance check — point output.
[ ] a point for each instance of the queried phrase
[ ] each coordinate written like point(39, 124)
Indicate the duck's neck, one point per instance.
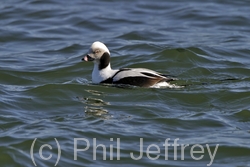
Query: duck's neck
point(99, 75)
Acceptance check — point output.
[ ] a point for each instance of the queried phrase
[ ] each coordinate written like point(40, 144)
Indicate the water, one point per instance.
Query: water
point(46, 91)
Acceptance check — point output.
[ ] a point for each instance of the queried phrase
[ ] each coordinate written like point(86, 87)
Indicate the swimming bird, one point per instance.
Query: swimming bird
point(103, 73)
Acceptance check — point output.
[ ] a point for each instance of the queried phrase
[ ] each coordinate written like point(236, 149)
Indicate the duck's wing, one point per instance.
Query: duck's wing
point(139, 77)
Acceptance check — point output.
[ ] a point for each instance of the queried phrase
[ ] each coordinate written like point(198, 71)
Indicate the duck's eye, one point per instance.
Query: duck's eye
point(96, 51)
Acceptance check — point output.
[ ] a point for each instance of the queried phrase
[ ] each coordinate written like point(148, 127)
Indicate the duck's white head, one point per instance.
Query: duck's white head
point(98, 53)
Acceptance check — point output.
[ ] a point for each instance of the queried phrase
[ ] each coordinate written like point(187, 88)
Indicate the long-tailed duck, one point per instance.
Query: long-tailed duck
point(102, 72)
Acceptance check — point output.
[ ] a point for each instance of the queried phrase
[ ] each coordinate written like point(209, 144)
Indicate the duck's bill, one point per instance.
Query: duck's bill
point(87, 58)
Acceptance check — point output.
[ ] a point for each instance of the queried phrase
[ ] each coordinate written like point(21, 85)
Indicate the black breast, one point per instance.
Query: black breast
point(108, 81)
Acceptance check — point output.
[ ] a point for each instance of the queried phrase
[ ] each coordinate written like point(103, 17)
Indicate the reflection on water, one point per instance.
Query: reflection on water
point(94, 106)
point(94, 92)
point(95, 111)
point(95, 101)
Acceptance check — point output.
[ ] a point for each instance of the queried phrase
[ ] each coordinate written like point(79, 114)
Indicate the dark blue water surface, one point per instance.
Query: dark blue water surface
point(51, 113)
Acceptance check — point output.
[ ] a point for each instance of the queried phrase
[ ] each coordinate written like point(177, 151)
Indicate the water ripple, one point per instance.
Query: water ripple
point(46, 90)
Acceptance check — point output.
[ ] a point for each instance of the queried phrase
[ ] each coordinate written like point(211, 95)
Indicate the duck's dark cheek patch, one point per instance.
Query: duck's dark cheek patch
point(104, 61)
